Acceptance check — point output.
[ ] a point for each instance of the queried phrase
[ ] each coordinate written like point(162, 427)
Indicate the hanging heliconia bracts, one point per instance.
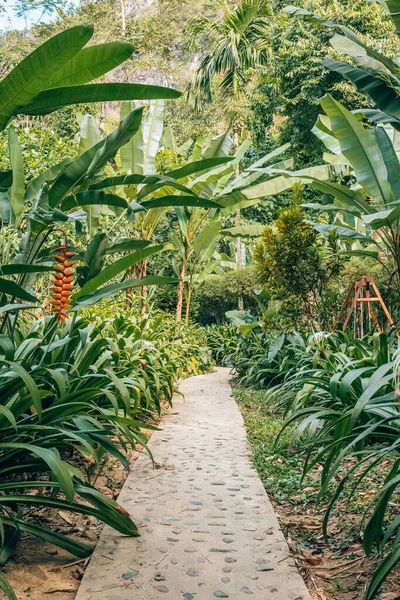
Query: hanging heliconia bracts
point(63, 282)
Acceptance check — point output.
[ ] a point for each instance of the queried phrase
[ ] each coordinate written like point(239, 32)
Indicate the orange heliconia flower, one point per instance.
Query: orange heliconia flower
point(63, 282)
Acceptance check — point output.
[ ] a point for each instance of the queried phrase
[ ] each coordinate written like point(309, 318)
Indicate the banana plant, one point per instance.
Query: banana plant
point(149, 194)
point(58, 73)
point(230, 193)
point(365, 215)
point(61, 196)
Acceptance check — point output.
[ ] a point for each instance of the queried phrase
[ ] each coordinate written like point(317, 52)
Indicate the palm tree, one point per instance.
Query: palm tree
point(238, 45)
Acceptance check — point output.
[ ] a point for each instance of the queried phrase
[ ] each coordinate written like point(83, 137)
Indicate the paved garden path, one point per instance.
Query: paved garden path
point(207, 527)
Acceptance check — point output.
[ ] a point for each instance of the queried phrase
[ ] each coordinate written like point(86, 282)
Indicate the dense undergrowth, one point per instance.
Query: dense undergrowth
point(329, 404)
point(82, 390)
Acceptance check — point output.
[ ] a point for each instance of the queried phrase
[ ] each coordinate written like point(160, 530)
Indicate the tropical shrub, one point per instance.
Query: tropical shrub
point(142, 337)
point(341, 396)
point(220, 294)
point(223, 341)
point(63, 391)
point(83, 388)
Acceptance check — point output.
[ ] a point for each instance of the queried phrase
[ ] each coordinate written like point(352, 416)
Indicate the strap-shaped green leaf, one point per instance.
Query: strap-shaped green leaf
point(50, 100)
point(17, 191)
point(119, 266)
point(244, 231)
point(382, 90)
point(9, 287)
point(164, 201)
point(93, 198)
point(108, 291)
point(197, 166)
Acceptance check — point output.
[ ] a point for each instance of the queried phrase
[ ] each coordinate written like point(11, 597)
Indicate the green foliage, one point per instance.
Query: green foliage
point(237, 42)
point(298, 270)
point(285, 100)
point(220, 294)
point(339, 396)
point(223, 341)
point(280, 471)
point(367, 218)
point(80, 389)
point(41, 148)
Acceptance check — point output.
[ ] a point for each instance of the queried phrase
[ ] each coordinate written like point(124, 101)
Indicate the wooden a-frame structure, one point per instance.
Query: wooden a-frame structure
point(359, 296)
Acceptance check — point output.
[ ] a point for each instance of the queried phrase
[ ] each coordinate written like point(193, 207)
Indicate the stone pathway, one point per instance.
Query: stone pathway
point(207, 527)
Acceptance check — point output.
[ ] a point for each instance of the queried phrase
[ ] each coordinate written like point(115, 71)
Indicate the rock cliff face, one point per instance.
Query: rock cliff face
point(151, 70)
point(137, 5)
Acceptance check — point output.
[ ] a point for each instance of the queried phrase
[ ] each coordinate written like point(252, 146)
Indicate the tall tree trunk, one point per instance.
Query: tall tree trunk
point(188, 302)
point(143, 289)
point(239, 249)
point(123, 18)
point(181, 287)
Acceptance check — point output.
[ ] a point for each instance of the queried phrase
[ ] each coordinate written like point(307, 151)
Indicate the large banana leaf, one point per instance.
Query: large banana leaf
point(31, 76)
point(383, 218)
point(382, 90)
point(269, 156)
point(124, 180)
point(47, 176)
point(118, 267)
point(322, 129)
point(164, 201)
point(198, 166)
point(206, 237)
point(89, 134)
point(109, 291)
point(390, 159)
point(163, 182)
point(345, 232)
point(50, 100)
point(92, 160)
point(220, 145)
point(363, 55)
point(361, 150)
point(153, 124)
point(90, 63)
point(244, 231)
point(93, 198)
point(132, 153)
point(277, 185)
point(378, 116)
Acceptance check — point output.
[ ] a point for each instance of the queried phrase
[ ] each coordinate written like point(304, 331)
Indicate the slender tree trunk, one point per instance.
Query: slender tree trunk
point(188, 303)
point(181, 287)
point(143, 289)
point(239, 249)
point(123, 18)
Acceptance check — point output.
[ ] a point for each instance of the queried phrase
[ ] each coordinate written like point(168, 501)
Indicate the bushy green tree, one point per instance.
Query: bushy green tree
point(296, 268)
point(219, 295)
point(285, 99)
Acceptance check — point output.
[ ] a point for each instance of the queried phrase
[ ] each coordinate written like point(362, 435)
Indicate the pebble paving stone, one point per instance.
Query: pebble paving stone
point(204, 463)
